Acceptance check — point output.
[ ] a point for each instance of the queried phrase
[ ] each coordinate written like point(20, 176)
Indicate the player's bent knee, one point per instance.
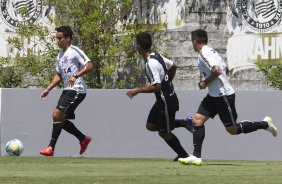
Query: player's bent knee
point(57, 119)
point(151, 127)
point(199, 120)
point(232, 130)
point(58, 116)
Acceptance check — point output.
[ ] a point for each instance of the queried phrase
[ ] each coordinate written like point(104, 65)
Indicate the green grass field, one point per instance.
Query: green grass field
point(56, 170)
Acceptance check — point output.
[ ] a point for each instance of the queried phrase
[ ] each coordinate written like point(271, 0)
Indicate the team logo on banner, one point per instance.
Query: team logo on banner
point(258, 23)
point(261, 15)
point(16, 12)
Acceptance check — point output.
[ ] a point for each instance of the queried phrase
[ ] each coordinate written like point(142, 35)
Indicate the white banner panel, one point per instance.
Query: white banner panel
point(256, 28)
point(244, 50)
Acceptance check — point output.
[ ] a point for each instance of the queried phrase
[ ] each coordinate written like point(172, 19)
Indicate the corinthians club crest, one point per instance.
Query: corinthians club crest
point(259, 16)
point(16, 12)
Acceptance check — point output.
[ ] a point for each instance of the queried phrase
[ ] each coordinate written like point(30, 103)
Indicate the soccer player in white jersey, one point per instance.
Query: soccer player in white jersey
point(72, 64)
point(160, 72)
point(219, 100)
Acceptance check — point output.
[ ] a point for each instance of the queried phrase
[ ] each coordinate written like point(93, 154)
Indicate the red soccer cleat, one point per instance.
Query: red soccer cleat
point(48, 151)
point(84, 144)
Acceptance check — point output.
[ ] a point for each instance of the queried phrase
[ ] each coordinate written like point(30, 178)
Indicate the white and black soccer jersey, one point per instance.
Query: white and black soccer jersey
point(207, 59)
point(68, 64)
point(156, 69)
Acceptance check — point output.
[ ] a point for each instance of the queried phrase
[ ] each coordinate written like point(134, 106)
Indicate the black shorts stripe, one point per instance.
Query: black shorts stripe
point(165, 122)
point(166, 113)
point(229, 109)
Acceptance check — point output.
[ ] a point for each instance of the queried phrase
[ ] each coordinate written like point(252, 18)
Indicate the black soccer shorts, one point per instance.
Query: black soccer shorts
point(69, 101)
point(164, 121)
point(211, 106)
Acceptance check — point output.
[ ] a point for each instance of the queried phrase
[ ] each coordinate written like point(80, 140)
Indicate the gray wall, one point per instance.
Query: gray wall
point(117, 125)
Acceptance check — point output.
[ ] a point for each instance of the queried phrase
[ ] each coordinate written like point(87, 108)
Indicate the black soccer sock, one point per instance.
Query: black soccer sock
point(174, 143)
point(57, 129)
point(248, 126)
point(70, 128)
point(198, 139)
point(180, 123)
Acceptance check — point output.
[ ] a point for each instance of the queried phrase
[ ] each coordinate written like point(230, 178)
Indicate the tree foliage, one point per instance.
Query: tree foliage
point(10, 76)
point(104, 34)
point(272, 72)
point(31, 55)
point(102, 29)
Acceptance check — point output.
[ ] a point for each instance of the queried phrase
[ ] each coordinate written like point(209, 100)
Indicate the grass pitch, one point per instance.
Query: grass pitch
point(57, 170)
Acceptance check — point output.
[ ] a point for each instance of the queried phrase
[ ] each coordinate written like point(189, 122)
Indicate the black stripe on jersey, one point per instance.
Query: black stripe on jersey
point(150, 73)
point(79, 52)
point(206, 61)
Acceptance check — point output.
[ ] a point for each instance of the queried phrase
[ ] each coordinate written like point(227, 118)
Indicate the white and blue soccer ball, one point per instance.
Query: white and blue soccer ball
point(14, 147)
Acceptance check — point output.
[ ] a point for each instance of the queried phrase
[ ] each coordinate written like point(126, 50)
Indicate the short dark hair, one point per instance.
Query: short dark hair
point(144, 39)
point(200, 35)
point(66, 30)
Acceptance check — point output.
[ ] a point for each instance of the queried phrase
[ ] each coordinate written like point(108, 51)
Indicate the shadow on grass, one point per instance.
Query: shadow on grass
point(224, 164)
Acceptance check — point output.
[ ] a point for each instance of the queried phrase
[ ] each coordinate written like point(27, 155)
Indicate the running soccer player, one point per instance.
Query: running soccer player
point(219, 100)
point(72, 64)
point(160, 72)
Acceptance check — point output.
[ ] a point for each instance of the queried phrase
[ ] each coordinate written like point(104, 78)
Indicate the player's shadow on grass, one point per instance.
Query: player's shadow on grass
point(221, 164)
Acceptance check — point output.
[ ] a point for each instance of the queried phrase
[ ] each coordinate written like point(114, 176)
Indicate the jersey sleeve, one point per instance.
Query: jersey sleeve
point(81, 57)
point(210, 57)
point(153, 71)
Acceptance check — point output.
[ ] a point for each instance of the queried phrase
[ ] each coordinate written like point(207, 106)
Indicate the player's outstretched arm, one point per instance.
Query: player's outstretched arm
point(57, 78)
point(86, 68)
point(146, 89)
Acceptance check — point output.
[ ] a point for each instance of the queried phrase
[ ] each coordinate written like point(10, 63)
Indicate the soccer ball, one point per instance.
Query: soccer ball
point(14, 147)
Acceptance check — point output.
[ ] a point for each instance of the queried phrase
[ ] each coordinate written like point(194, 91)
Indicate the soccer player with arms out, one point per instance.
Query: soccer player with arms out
point(219, 100)
point(72, 64)
point(160, 72)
